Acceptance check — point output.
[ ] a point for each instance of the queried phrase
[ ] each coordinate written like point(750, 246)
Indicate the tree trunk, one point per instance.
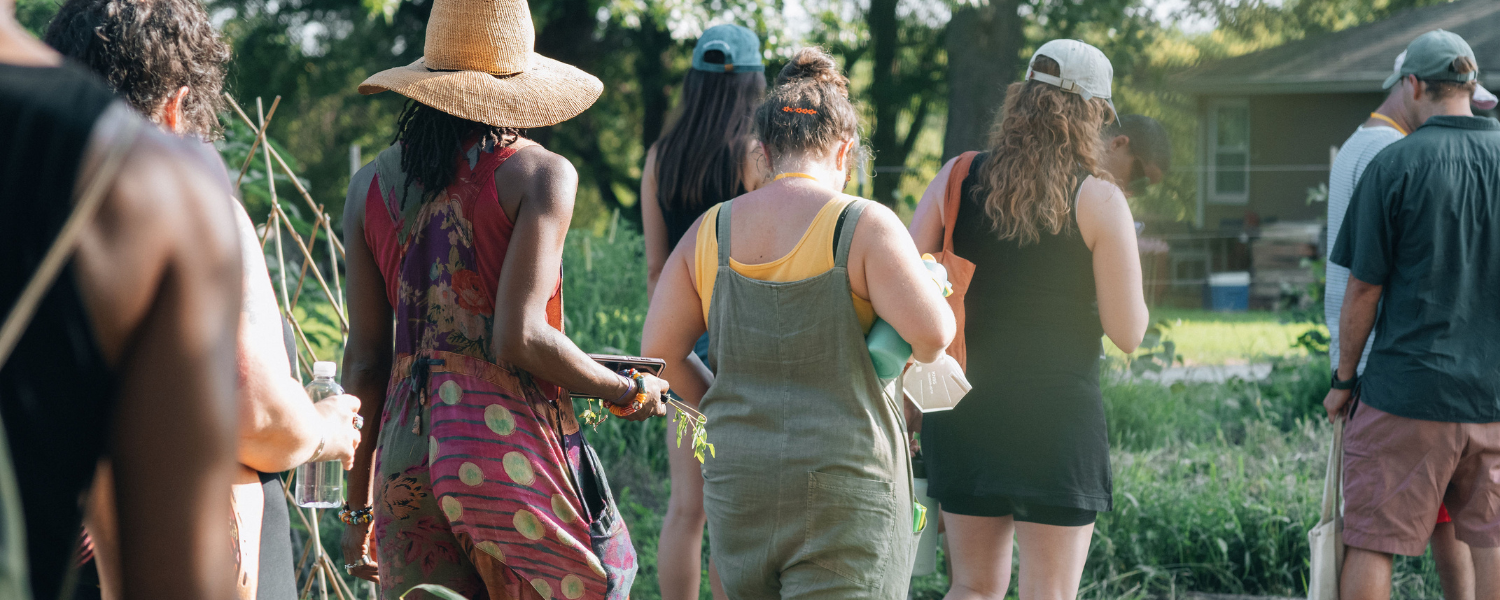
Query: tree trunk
point(885, 95)
point(983, 58)
point(650, 69)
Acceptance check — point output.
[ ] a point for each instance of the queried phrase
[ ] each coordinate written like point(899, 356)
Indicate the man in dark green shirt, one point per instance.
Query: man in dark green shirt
point(1423, 234)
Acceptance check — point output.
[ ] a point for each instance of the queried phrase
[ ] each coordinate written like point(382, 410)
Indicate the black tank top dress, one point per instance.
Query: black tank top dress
point(1030, 438)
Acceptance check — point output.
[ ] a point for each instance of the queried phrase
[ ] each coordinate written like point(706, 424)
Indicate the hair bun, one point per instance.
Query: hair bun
point(813, 64)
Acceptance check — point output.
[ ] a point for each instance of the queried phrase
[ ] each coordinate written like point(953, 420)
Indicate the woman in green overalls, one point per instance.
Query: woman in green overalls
point(810, 492)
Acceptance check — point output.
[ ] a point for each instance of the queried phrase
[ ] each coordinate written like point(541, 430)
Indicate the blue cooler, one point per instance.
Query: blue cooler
point(1229, 291)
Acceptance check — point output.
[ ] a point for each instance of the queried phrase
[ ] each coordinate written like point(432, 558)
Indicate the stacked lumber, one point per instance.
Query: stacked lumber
point(1276, 260)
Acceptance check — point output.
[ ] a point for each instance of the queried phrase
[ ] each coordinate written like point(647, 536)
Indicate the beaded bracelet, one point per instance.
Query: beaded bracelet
point(351, 516)
point(626, 410)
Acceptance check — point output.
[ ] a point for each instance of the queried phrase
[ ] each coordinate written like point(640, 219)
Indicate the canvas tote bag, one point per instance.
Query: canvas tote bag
point(1326, 541)
point(14, 571)
point(960, 271)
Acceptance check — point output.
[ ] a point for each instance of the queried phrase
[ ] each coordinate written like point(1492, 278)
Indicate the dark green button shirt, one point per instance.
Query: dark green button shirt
point(1425, 223)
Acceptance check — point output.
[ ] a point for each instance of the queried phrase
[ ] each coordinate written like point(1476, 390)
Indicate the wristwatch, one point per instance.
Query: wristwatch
point(1345, 384)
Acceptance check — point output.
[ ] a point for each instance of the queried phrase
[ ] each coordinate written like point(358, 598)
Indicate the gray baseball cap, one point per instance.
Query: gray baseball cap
point(1082, 70)
point(1430, 57)
point(740, 46)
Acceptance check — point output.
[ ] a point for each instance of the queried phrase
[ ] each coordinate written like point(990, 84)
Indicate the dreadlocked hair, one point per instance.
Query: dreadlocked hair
point(431, 140)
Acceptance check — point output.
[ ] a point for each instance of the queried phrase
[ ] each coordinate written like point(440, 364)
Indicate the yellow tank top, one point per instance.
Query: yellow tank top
point(812, 256)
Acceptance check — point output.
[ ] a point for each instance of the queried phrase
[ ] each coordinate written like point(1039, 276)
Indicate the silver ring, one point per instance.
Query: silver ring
point(349, 568)
point(359, 422)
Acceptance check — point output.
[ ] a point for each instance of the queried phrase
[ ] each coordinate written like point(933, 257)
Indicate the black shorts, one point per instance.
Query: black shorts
point(1025, 512)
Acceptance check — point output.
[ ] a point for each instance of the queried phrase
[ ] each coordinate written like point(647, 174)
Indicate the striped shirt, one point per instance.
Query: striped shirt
point(1347, 167)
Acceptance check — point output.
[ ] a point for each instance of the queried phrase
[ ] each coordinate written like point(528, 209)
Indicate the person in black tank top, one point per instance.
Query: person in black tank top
point(141, 53)
point(703, 158)
point(1026, 452)
point(123, 357)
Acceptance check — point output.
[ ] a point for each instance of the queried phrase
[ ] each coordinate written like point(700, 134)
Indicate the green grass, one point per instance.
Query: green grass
point(1211, 338)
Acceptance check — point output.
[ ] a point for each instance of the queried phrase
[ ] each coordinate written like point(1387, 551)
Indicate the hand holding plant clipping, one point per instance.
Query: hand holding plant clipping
point(686, 417)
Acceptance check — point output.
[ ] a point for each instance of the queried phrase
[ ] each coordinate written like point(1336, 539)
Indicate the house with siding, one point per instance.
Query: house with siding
point(1270, 123)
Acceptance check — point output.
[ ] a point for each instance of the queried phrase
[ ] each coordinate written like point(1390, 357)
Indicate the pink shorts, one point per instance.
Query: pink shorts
point(1396, 469)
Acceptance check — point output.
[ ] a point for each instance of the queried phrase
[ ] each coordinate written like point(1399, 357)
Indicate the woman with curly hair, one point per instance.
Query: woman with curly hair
point(1025, 455)
point(810, 494)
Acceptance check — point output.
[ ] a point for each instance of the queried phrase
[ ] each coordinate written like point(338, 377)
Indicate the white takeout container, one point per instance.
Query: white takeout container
point(936, 386)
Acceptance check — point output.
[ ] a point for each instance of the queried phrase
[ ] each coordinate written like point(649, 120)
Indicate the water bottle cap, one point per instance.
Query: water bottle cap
point(325, 368)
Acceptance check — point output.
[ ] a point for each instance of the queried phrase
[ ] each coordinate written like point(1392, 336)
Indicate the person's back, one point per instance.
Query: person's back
point(131, 352)
point(1440, 188)
point(809, 492)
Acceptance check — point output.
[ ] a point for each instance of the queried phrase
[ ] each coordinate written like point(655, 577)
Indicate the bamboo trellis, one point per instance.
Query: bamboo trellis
point(321, 570)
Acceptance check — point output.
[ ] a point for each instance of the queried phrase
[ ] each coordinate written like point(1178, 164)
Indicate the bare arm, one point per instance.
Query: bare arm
point(280, 427)
point(885, 267)
point(653, 223)
point(367, 357)
point(1106, 225)
point(927, 221)
point(159, 271)
point(675, 322)
point(1357, 319)
point(531, 275)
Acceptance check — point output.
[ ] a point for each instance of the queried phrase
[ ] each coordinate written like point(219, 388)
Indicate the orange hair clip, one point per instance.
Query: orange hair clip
point(805, 111)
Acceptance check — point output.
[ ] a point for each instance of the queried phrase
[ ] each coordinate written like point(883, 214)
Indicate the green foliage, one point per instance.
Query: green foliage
point(1156, 351)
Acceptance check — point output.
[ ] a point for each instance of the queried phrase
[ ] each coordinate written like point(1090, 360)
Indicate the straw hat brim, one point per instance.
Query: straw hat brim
point(547, 93)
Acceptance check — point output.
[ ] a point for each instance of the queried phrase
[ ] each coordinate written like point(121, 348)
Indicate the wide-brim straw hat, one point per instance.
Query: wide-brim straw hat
point(478, 64)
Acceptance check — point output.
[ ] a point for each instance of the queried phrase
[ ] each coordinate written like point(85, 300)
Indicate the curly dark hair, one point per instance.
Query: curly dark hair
point(431, 139)
point(147, 50)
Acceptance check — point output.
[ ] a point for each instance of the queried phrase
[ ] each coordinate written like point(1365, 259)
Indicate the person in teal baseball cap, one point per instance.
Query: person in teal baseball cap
point(728, 49)
point(706, 155)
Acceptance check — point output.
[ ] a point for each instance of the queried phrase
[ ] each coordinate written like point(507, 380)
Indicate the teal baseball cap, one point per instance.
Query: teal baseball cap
point(739, 47)
point(1430, 57)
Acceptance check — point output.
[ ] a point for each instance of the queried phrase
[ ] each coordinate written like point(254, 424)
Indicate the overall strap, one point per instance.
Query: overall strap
point(721, 231)
point(846, 235)
point(953, 195)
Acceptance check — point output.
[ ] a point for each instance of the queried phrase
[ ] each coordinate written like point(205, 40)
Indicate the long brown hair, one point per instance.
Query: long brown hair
point(1042, 140)
point(699, 158)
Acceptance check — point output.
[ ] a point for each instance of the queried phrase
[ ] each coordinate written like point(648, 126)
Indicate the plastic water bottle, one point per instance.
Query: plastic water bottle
point(888, 351)
point(321, 484)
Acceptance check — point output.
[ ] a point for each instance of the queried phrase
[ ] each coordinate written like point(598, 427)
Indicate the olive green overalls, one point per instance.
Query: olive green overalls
point(810, 493)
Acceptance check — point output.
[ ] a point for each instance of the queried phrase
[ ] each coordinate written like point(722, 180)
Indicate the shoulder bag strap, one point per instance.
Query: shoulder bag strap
point(953, 196)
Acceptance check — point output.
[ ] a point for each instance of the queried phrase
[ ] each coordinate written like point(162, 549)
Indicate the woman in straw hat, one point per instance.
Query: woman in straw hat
point(482, 481)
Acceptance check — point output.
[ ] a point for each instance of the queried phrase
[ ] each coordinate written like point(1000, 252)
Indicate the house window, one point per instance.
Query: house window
point(1229, 152)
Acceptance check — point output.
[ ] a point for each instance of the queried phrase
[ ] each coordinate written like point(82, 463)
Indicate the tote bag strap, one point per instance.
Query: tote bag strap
point(953, 196)
point(14, 569)
point(1332, 490)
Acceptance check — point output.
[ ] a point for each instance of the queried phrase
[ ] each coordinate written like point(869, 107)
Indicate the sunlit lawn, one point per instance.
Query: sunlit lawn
point(1212, 338)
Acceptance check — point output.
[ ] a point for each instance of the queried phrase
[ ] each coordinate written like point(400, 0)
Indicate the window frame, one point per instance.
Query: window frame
point(1211, 157)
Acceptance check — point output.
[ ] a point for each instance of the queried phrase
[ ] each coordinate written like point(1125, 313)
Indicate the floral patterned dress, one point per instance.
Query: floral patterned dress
point(484, 481)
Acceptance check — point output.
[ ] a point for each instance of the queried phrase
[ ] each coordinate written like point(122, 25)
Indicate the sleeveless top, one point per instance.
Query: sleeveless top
point(57, 393)
point(680, 219)
point(1032, 428)
point(812, 255)
point(814, 467)
point(423, 278)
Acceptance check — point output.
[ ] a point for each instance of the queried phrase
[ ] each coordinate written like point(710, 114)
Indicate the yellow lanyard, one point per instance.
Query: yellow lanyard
point(1376, 115)
point(802, 175)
